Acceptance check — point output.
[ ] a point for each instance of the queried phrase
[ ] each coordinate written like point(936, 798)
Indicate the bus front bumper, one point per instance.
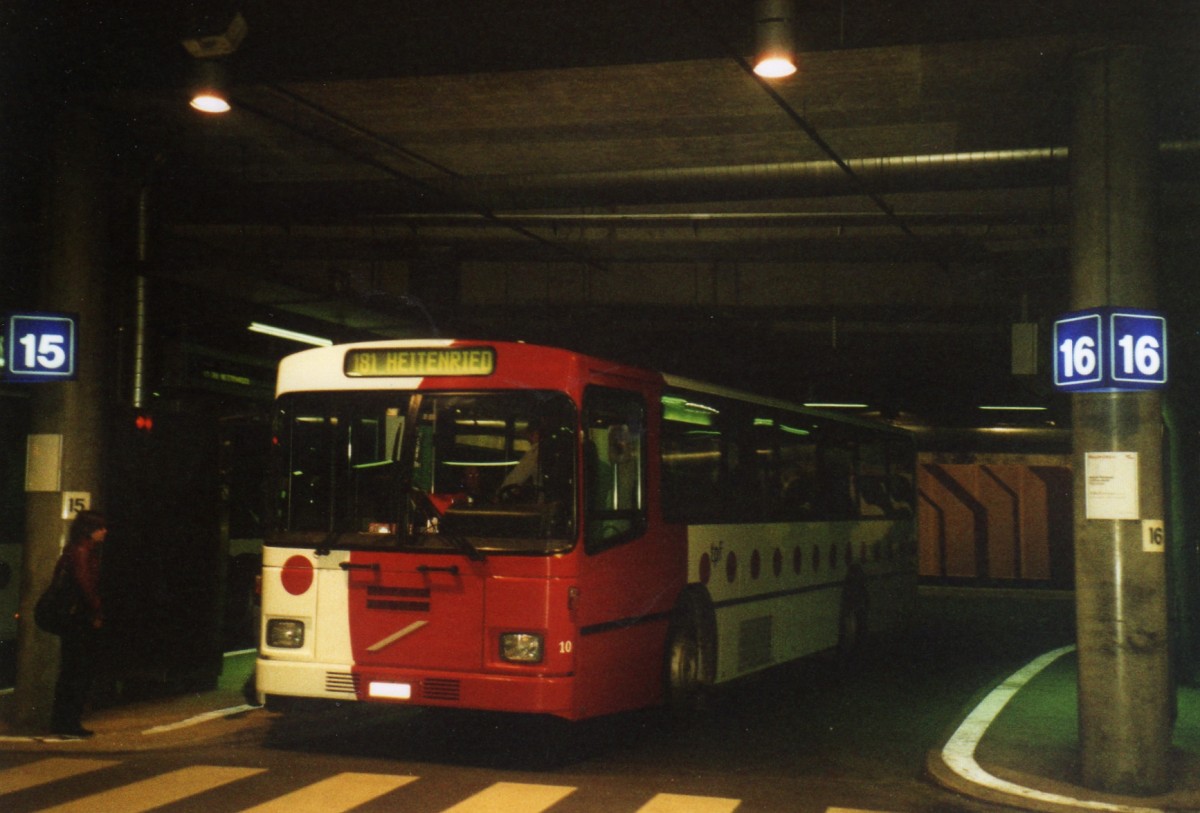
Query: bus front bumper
point(485, 692)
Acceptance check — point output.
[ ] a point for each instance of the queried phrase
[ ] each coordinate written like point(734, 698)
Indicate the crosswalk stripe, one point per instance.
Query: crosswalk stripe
point(511, 797)
point(335, 794)
point(850, 810)
point(158, 791)
point(678, 803)
point(47, 770)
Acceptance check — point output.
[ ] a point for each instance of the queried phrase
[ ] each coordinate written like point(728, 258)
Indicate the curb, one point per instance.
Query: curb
point(151, 733)
point(955, 767)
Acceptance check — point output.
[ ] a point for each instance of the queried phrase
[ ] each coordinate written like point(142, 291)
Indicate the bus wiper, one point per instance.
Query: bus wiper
point(426, 507)
point(462, 543)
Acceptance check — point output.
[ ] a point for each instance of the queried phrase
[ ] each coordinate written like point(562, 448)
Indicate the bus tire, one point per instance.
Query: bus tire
point(689, 659)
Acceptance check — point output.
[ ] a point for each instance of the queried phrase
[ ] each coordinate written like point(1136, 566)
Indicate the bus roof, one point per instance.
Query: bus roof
point(692, 385)
point(411, 364)
point(326, 368)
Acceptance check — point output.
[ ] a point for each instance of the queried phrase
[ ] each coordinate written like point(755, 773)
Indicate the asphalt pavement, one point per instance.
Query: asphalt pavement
point(1017, 748)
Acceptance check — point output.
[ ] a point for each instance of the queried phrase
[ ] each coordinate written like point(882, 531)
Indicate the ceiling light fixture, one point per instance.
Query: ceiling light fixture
point(209, 49)
point(774, 35)
point(208, 92)
point(293, 335)
point(210, 103)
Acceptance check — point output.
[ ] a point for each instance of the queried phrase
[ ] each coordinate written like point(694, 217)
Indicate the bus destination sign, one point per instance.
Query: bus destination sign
point(387, 362)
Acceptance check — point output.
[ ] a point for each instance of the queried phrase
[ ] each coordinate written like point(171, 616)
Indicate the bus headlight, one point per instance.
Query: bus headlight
point(521, 647)
point(285, 633)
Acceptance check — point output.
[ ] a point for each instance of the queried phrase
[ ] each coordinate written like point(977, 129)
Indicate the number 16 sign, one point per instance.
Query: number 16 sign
point(1110, 350)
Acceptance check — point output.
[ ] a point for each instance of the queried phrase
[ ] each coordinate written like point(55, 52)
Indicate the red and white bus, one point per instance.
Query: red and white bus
point(508, 527)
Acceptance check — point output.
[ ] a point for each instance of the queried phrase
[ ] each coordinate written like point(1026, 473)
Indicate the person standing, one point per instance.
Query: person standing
point(81, 558)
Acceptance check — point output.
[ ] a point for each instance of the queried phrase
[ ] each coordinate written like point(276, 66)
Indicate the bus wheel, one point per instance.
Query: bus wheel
point(688, 656)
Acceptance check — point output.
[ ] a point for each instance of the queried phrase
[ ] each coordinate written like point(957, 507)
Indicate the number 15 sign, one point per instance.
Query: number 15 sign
point(39, 347)
point(1109, 350)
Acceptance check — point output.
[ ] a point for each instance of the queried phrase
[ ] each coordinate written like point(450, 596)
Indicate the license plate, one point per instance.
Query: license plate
point(391, 691)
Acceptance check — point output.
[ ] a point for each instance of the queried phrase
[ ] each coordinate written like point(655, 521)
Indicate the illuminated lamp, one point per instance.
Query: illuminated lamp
point(292, 335)
point(208, 92)
point(209, 46)
point(775, 57)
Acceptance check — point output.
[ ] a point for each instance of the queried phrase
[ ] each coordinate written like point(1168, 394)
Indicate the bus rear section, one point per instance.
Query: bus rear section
point(800, 532)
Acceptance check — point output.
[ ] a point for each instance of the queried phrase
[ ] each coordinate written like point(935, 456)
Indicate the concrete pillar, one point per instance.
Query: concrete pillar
point(1125, 692)
point(1183, 518)
point(76, 240)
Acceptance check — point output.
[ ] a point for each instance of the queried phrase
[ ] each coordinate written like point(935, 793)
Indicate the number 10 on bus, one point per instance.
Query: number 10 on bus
point(1110, 350)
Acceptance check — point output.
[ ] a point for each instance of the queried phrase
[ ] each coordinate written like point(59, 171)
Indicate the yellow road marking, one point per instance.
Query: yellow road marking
point(337, 793)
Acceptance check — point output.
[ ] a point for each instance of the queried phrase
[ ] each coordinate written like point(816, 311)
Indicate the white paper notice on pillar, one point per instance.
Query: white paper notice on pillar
point(43, 462)
point(1111, 481)
point(1154, 536)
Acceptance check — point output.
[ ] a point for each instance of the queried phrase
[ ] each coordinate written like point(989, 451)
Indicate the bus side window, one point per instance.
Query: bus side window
point(691, 448)
point(614, 467)
point(798, 472)
point(838, 497)
point(746, 491)
point(902, 492)
point(873, 498)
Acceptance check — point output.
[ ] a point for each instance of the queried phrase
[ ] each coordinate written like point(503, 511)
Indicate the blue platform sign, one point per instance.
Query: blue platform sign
point(1110, 349)
point(40, 347)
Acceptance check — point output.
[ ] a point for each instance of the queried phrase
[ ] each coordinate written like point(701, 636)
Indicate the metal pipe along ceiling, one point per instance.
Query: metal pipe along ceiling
point(511, 194)
point(911, 173)
point(1015, 168)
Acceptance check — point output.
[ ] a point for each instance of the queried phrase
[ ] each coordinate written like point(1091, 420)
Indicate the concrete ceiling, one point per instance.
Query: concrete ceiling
point(609, 176)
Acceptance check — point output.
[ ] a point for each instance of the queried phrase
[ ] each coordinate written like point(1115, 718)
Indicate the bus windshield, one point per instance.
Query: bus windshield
point(455, 472)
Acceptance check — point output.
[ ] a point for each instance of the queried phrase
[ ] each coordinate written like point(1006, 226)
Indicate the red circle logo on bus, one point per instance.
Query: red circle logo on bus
point(297, 575)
